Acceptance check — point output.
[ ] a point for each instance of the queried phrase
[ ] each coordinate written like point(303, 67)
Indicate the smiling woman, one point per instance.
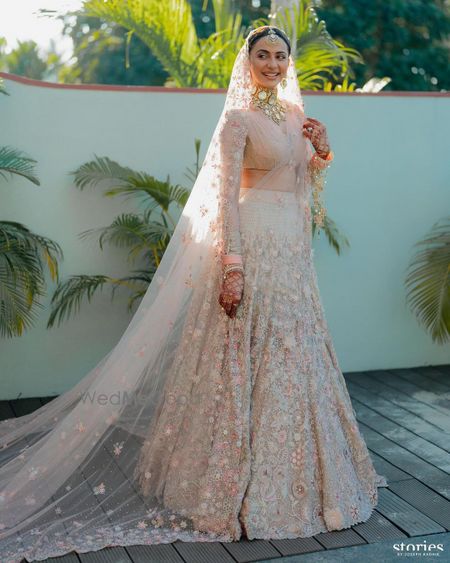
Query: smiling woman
point(268, 56)
point(237, 420)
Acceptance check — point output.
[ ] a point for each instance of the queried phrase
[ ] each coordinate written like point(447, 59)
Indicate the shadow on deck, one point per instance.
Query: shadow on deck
point(403, 415)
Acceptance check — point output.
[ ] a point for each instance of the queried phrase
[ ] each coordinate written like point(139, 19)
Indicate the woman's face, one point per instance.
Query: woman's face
point(268, 62)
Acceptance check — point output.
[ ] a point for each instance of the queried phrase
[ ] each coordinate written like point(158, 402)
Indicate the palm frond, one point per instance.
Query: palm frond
point(13, 161)
point(99, 170)
point(22, 280)
point(68, 295)
point(134, 232)
point(318, 57)
point(335, 238)
point(166, 27)
point(428, 282)
point(16, 314)
point(2, 87)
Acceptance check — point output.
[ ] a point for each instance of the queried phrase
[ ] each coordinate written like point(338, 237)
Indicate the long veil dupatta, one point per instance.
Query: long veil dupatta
point(73, 473)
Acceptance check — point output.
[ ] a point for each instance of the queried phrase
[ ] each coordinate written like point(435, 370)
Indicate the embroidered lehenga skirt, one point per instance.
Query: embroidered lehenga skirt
point(258, 434)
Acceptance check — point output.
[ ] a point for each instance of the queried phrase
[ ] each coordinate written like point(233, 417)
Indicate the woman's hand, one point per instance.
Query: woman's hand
point(231, 293)
point(316, 132)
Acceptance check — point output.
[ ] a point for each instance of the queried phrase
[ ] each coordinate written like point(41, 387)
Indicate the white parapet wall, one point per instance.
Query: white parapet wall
point(389, 183)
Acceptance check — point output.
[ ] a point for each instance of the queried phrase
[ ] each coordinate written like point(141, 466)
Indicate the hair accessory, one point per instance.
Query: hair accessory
point(272, 36)
point(273, 33)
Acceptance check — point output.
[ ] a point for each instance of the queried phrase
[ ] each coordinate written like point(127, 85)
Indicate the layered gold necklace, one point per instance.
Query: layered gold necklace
point(267, 100)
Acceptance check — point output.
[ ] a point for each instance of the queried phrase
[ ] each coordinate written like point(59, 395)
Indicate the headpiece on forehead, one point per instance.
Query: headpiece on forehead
point(271, 32)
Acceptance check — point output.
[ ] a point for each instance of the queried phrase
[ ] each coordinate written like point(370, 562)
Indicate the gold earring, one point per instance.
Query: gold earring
point(283, 82)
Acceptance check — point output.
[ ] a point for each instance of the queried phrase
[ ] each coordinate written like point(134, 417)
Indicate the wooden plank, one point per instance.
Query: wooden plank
point(58, 529)
point(45, 400)
point(6, 410)
point(372, 530)
point(402, 399)
point(391, 472)
point(203, 552)
point(340, 538)
point(408, 440)
point(424, 499)
point(440, 373)
point(378, 528)
point(379, 552)
point(405, 516)
point(414, 376)
point(410, 463)
point(107, 555)
point(297, 546)
point(443, 368)
point(69, 558)
point(158, 553)
point(399, 415)
point(251, 550)
point(6, 413)
point(419, 394)
point(21, 407)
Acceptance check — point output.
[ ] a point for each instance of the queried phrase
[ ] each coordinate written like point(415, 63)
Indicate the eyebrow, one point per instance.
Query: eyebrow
point(266, 51)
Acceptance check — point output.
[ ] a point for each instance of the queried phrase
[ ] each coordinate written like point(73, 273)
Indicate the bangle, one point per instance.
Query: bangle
point(231, 259)
point(328, 156)
point(232, 268)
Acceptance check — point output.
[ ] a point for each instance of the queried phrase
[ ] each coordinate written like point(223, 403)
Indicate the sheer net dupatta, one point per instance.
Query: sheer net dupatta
point(75, 473)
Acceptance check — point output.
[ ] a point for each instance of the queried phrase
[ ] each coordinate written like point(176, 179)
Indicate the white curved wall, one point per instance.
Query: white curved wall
point(389, 183)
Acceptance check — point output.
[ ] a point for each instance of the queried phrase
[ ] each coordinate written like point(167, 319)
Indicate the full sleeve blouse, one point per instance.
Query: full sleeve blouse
point(233, 137)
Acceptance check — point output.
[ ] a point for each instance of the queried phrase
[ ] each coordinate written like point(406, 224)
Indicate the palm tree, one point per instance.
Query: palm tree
point(145, 234)
point(22, 256)
point(320, 60)
point(168, 29)
point(428, 282)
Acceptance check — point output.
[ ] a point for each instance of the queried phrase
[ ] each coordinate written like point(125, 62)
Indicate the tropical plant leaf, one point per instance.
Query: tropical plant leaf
point(2, 87)
point(132, 231)
point(13, 161)
point(69, 294)
point(335, 238)
point(22, 280)
point(428, 282)
point(100, 170)
point(318, 57)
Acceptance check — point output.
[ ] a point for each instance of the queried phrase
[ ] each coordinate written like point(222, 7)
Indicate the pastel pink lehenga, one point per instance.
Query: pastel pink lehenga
point(196, 426)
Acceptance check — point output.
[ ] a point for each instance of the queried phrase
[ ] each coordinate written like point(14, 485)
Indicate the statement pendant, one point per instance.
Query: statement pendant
point(267, 100)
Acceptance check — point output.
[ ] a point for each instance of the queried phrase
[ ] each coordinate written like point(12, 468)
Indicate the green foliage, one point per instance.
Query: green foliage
point(13, 161)
point(25, 60)
point(145, 234)
point(22, 283)
point(23, 255)
point(335, 238)
point(2, 87)
point(319, 58)
point(169, 31)
point(406, 40)
point(428, 282)
point(105, 54)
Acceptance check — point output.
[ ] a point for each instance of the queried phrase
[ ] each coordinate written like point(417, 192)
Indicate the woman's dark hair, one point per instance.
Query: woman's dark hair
point(264, 30)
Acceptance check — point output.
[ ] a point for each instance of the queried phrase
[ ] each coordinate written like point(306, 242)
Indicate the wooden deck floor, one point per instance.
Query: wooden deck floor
point(404, 416)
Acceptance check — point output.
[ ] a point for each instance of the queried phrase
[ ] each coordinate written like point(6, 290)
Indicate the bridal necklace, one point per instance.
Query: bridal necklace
point(267, 100)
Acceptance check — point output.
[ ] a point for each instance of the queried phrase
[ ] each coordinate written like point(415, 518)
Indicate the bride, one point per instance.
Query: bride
point(222, 411)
